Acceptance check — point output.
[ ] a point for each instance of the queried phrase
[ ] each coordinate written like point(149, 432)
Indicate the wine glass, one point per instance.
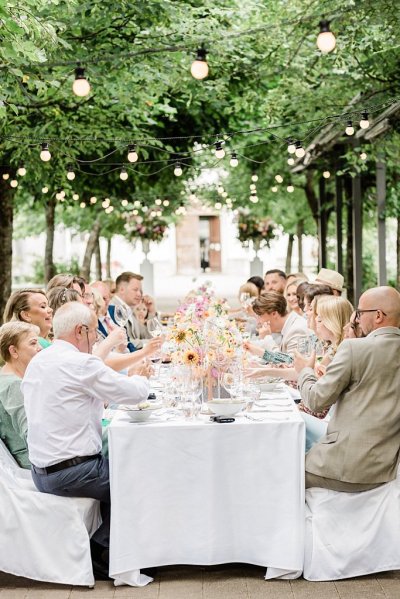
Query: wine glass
point(305, 345)
point(121, 314)
point(154, 327)
point(244, 298)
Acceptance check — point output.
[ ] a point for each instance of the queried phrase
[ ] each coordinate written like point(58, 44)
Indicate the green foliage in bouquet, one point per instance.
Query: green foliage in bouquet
point(254, 228)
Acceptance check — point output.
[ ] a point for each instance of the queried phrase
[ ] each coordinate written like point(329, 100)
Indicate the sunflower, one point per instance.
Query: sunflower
point(180, 336)
point(191, 357)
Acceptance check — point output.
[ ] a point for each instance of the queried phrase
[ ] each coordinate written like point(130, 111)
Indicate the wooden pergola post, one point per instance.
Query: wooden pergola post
point(357, 233)
point(339, 223)
point(322, 224)
point(381, 205)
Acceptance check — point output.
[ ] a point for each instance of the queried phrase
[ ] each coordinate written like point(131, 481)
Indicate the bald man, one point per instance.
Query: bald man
point(361, 448)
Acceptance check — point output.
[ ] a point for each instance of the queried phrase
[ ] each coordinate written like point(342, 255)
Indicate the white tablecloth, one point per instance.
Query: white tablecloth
point(207, 493)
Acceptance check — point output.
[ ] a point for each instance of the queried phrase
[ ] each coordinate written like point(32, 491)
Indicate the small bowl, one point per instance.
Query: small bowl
point(271, 385)
point(225, 407)
point(140, 415)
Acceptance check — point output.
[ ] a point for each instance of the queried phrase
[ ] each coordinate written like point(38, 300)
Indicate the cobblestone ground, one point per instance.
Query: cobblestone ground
point(217, 582)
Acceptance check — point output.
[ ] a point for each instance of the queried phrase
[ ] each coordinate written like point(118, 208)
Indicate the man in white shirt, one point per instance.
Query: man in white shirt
point(128, 293)
point(64, 393)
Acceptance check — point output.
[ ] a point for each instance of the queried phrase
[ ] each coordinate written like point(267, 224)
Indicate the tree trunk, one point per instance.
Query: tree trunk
point(108, 258)
point(49, 270)
point(288, 266)
point(398, 253)
point(349, 274)
point(6, 231)
point(311, 195)
point(300, 231)
point(90, 247)
point(97, 252)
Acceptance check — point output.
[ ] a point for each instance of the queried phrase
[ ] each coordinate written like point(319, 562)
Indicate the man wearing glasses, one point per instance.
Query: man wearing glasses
point(64, 397)
point(361, 448)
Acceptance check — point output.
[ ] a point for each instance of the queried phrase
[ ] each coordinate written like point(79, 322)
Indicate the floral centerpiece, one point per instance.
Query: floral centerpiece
point(145, 226)
point(252, 228)
point(202, 337)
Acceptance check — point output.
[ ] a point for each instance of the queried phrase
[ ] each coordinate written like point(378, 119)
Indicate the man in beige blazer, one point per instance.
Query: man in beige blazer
point(361, 448)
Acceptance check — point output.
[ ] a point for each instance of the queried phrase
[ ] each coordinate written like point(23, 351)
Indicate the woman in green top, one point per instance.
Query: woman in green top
point(18, 345)
point(31, 305)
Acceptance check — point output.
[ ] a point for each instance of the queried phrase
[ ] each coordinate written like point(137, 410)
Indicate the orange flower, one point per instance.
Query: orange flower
point(191, 357)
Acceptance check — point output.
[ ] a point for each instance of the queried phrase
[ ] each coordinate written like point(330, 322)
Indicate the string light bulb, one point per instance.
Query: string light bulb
point(178, 169)
point(6, 176)
point(81, 86)
point(199, 68)
point(290, 189)
point(158, 202)
point(45, 152)
point(364, 123)
point(93, 200)
point(21, 171)
point(290, 161)
point(326, 41)
point(166, 203)
point(234, 161)
point(82, 205)
point(326, 174)
point(252, 186)
point(219, 150)
point(14, 183)
point(254, 178)
point(123, 174)
point(124, 203)
point(75, 197)
point(363, 156)
point(291, 147)
point(45, 189)
point(70, 173)
point(300, 151)
point(274, 189)
point(279, 178)
point(132, 153)
point(349, 128)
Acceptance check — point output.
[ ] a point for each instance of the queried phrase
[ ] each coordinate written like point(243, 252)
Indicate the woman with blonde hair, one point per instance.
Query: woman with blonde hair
point(333, 313)
point(32, 306)
point(18, 345)
point(290, 295)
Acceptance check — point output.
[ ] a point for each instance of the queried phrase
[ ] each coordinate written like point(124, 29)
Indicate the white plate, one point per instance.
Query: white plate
point(225, 407)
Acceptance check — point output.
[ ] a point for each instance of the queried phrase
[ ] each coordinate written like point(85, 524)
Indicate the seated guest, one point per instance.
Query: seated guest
point(258, 282)
point(58, 296)
point(64, 396)
point(18, 345)
point(32, 306)
point(301, 287)
point(290, 294)
point(311, 292)
point(296, 275)
point(362, 446)
point(128, 293)
point(140, 312)
point(68, 281)
point(334, 279)
point(275, 280)
point(271, 309)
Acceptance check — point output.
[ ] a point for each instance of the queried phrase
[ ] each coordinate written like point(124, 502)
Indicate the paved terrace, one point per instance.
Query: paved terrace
point(217, 582)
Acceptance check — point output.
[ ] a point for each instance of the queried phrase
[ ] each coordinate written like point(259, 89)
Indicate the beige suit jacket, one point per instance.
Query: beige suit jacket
point(295, 326)
point(362, 443)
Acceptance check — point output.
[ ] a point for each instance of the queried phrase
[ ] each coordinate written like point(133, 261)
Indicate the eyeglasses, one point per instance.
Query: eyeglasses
point(359, 312)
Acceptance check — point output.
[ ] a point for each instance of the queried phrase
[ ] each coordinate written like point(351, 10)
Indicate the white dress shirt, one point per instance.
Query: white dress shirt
point(64, 392)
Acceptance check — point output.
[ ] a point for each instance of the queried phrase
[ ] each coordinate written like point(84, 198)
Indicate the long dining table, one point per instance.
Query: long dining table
point(201, 492)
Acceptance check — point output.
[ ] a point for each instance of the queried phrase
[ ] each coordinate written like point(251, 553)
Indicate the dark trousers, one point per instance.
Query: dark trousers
point(89, 479)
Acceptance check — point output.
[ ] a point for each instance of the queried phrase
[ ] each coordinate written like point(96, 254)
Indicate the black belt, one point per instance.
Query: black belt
point(65, 464)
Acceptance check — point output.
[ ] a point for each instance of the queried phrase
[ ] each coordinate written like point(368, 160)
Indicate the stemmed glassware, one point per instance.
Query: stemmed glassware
point(121, 314)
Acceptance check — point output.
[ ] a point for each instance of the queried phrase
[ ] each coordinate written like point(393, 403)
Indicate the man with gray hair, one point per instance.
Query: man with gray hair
point(64, 392)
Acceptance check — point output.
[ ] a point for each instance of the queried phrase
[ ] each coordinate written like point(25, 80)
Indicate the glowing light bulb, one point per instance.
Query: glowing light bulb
point(363, 156)
point(45, 189)
point(6, 176)
point(45, 153)
point(279, 178)
point(158, 202)
point(62, 193)
point(75, 197)
point(178, 170)
point(21, 171)
point(234, 161)
point(123, 175)
point(349, 128)
point(81, 86)
point(132, 153)
point(254, 178)
point(58, 196)
point(300, 151)
point(219, 150)
point(136, 203)
point(220, 189)
point(290, 161)
point(166, 203)
point(70, 174)
point(326, 41)
point(14, 183)
point(82, 205)
point(199, 68)
point(159, 213)
point(291, 147)
point(274, 189)
point(93, 200)
point(364, 123)
point(252, 186)
point(290, 189)
point(326, 174)
point(218, 206)
point(124, 203)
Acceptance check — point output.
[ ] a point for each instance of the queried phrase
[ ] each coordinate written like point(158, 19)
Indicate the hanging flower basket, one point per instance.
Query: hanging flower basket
point(252, 228)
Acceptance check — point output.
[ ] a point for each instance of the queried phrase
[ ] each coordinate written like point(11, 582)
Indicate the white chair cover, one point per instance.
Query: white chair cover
point(43, 537)
point(352, 534)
